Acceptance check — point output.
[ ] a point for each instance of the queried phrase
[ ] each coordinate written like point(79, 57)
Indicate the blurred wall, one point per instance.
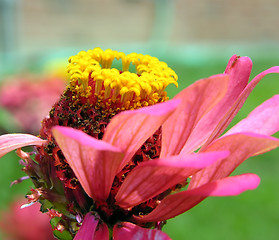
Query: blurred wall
point(65, 23)
point(32, 28)
point(235, 21)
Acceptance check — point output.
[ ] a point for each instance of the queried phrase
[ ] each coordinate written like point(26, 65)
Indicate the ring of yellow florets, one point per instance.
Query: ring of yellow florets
point(92, 78)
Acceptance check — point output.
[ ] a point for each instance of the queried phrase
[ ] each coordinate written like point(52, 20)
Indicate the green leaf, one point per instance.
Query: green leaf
point(65, 235)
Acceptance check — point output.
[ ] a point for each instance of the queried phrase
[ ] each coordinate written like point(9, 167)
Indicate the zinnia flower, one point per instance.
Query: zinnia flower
point(115, 154)
point(25, 223)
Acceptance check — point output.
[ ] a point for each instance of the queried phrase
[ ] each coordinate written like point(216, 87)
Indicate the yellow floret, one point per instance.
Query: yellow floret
point(91, 72)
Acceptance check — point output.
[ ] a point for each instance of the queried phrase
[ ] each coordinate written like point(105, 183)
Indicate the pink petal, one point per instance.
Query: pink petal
point(238, 104)
point(9, 142)
point(238, 69)
point(129, 130)
point(241, 147)
point(88, 228)
point(129, 231)
point(154, 177)
point(102, 232)
point(94, 162)
point(231, 62)
point(197, 100)
point(263, 120)
point(178, 203)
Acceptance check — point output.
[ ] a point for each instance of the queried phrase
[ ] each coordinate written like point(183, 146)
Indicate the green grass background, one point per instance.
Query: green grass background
point(251, 215)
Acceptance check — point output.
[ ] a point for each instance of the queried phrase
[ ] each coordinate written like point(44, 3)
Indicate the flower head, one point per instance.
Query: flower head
point(114, 154)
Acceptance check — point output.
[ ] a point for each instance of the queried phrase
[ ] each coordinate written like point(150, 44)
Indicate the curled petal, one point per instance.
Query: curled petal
point(127, 230)
point(178, 203)
point(154, 177)
point(129, 130)
point(263, 120)
point(231, 63)
point(241, 147)
point(196, 101)
point(9, 142)
point(238, 70)
point(93, 161)
point(225, 121)
point(88, 228)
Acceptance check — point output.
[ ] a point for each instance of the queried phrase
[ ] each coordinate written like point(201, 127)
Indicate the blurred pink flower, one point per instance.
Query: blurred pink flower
point(28, 99)
point(129, 196)
point(25, 223)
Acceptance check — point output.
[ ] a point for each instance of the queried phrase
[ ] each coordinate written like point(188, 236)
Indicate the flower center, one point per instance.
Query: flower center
point(94, 81)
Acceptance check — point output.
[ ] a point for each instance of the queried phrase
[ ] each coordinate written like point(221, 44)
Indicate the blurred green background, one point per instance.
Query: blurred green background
point(196, 39)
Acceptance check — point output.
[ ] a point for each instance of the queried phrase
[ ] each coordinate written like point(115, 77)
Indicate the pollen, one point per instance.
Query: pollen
point(93, 80)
